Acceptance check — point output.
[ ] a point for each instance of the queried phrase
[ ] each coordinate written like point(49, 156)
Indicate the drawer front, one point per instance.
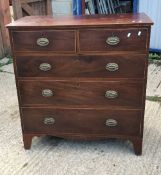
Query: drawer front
point(100, 93)
point(81, 121)
point(55, 40)
point(113, 40)
point(109, 66)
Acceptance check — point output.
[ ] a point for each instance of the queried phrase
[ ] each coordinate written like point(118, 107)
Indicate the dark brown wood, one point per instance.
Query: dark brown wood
point(78, 76)
point(126, 20)
point(82, 93)
point(137, 143)
point(96, 40)
point(10, 2)
point(27, 140)
point(81, 121)
point(130, 66)
point(58, 40)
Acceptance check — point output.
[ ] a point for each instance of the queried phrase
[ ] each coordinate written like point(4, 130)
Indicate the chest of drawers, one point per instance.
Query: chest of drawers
point(82, 77)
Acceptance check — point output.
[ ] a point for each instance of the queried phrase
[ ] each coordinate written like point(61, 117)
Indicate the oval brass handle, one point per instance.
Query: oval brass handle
point(112, 67)
point(113, 40)
point(111, 122)
point(47, 93)
point(42, 42)
point(49, 121)
point(111, 94)
point(45, 67)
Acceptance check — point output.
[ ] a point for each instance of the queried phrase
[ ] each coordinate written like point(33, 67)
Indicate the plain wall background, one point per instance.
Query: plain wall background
point(62, 7)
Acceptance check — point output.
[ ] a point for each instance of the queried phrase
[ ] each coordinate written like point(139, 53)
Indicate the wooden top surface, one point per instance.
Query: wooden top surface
point(84, 20)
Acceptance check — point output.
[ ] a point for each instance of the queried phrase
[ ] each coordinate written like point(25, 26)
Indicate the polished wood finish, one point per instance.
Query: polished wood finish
point(81, 93)
point(137, 143)
point(124, 20)
point(91, 66)
point(58, 40)
point(63, 86)
point(27, 140)
point(98, 37)
point(88, 121)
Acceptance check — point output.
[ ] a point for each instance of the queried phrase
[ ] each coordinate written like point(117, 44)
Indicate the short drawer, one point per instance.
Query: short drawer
point(109, 66)
point(41, 40)
point(81, 121)
point(113, 40)
point(82, 93)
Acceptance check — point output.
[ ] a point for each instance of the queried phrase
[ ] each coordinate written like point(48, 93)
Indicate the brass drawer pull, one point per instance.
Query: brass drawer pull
point(112, 67)
point(111, 94)
point(49, 121)
point(111, 122)
point(42, 42)
point(113, 40)
point(45, 67)
point(47, 93)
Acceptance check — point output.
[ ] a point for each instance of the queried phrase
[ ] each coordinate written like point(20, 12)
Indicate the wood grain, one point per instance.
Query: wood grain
point(91, 66)
point(2, 53)
point(96, 40)
point(58, 40)
point(31, 7)
point(81, 93)
point(126, 20)
point(17, 9)
point(81, 121)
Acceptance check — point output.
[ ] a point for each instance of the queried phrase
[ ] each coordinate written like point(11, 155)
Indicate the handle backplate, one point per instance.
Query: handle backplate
point(112, 67)
point(113, 40)
point(111, 94)
point(111, 122)
point(47, 93)
point(45, 67)
point(49, 121)
point(42, 42)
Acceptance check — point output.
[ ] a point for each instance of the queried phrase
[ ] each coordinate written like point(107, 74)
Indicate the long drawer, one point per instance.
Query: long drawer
point(131, 39)
point(81, 121)
point(92, 93)
point(107, 66)
point(45, 40)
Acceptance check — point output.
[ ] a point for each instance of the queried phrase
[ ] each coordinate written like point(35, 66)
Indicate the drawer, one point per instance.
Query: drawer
point(41, 40)
point(81, 121)
point(109, 66)
point(113, 40)
point(82, 93)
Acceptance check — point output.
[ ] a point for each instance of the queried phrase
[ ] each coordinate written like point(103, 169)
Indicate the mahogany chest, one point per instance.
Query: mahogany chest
point(82, 77)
